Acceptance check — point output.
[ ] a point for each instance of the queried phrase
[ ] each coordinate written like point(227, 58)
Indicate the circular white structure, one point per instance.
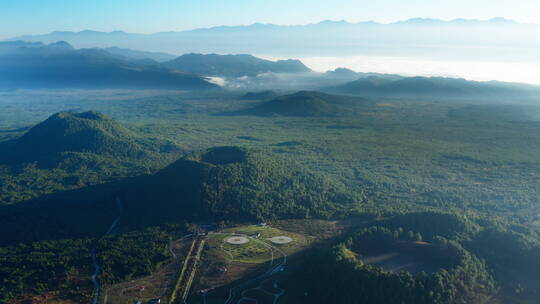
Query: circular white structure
point(237, 240)
point(280, 240)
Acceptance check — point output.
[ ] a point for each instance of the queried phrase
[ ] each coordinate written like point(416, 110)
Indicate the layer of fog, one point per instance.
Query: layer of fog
point(415, 66)
point(281, 81)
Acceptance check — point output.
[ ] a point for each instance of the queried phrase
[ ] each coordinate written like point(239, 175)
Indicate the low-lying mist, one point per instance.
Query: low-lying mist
point(417, 66)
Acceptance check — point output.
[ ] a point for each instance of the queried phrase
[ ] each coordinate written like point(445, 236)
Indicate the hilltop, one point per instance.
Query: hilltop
point(88, 132)
point(72, 150)
point(305, 104)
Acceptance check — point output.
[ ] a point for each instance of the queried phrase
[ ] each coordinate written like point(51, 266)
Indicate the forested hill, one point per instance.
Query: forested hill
point(224, 183)
point(306, 103)
point(78, 132)
point(73, 150)
point(236, 183)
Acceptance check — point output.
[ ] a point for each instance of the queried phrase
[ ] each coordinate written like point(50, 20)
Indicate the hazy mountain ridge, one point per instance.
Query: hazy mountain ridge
point(233, 65)
point(414, 37)
point(59, 65)
point(138, 55)
point(438, 87)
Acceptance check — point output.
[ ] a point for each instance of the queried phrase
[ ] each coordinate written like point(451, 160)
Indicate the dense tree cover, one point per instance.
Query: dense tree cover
point(73, 150)
point(513, 257)
point(227, 183)
point(77, 132)
point(66, 265)
point(132, 254)
point(479, 164)
point(342, 277)
point(45, 266)
point(445, 224)
point(238, 184)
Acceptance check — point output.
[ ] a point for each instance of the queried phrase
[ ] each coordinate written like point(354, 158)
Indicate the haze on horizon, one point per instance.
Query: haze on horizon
point(38, 17)
point(496, 56)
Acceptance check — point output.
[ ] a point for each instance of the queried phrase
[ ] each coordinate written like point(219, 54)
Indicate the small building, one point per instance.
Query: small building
point(255, 236)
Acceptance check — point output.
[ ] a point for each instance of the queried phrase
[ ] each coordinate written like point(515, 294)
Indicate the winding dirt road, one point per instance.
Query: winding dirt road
point(97, 286)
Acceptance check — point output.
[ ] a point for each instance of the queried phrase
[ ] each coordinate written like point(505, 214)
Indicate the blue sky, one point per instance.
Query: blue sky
point(19, 17)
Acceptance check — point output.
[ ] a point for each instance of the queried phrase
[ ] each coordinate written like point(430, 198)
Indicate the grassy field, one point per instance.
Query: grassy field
point(255, 251)
point(226, 265)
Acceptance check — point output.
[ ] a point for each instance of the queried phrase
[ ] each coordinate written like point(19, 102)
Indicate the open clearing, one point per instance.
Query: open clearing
point(411, 257)
point(237, 240)
point(234, 271)
point(280, 240)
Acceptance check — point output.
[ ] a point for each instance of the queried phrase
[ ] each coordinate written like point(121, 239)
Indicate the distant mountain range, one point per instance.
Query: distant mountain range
point(34, 65)
point(59, 65)
point(434, 87)
point(139, 55)
point(460, 38)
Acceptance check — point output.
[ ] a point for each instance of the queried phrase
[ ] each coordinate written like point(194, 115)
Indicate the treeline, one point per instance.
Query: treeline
point(66, 265)
point(432, 224)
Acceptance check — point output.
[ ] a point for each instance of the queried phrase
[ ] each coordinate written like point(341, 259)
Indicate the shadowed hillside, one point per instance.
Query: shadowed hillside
point(58, 65)
point(225, 183)
point(236, 183)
